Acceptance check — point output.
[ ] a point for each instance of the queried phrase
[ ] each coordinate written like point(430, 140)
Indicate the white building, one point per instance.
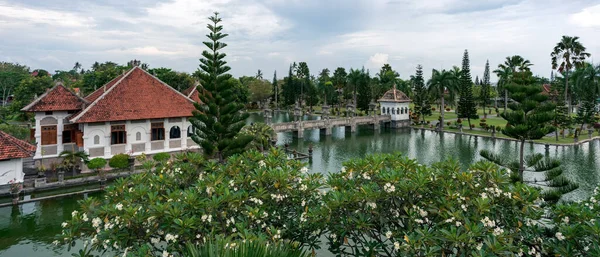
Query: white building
point(134, 113)
point(12, 152)
point(395, 103)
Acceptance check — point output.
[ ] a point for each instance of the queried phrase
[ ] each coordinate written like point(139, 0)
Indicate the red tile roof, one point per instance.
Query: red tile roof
point(135, 95)
point(13, 148)
point(547, 88)
point(192, 93)
point(58, 98)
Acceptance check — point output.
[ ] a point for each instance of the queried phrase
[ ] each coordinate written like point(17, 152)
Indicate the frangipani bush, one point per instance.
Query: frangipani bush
point(249, 197)
point(576, 230)
point(389, 205)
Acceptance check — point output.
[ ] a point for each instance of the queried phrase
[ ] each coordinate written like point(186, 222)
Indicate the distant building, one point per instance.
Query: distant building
point(12, 153)
point(133, 113)
point(396, 104)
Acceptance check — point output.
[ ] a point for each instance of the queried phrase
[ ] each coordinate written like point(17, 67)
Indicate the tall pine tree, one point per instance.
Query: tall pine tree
point(485, 87)
point(466, 104)
point(275, 90)
point(421, 96)
point(218, 118)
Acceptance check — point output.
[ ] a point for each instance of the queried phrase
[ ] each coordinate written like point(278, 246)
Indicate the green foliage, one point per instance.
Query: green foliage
point(25, 93)
point(360, 81)
point(421, 98)
point(161, 157)
point(178, 80)
point(567, 54)
point(552, 174)
point(466, 103)
point(219, 118)
point(19, 132)
point(260, 90)
point(250, 197)
point(257, 248)
point(576, 229)
point(119, 161)
point(96, 163)
point(262, 134)
point(389, 205)
point(485, 93)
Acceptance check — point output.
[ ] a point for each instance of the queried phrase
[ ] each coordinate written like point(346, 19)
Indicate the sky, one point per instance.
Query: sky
point(271, 34)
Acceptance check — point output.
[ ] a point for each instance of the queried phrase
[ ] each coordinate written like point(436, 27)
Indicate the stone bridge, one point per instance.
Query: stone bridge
point(326, 125)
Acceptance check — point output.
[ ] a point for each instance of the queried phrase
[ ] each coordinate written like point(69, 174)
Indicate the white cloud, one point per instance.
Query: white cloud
point(20, 16)
point(588, 17)
point(146, 51)
point(377, 60)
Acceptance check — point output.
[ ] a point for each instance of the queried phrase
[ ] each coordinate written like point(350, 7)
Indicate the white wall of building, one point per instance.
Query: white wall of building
point(41, 117)
point(98, 135)
point(11, 169)
point(393, 108)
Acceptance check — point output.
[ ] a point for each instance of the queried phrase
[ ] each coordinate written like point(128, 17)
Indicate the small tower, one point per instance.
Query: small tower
point(395, 103)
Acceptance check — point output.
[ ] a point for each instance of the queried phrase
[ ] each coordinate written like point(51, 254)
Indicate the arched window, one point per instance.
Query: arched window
point(398, 110)
point(401, 110)
point(382, 110)
point(96, 140)
point(175, 132)
point(388, 110)
point(393, 111)
point(190, 131)
point(406, 110)
point(138, 136)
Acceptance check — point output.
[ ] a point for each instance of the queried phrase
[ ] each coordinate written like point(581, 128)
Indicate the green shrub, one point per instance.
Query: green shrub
point(161, 157)
point(119, 161)
point(250, 197)
point(226, 248)
point(390, 205)
point(96, 163)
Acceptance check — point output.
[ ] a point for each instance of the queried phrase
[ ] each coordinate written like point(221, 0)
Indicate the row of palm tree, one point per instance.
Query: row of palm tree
point(569, 53)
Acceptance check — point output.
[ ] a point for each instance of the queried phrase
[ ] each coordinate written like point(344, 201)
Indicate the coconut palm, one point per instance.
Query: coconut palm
point(505, 72)
point(440, 82)
point(568, 53)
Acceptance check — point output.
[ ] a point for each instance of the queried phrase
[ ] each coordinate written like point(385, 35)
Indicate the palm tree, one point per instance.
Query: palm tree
point(77, 66)
point(262, 133)
point(505, 72)
point(70, 158)
point(504, 76)
point(438, 84)
point(570, 53)
point(354, 78)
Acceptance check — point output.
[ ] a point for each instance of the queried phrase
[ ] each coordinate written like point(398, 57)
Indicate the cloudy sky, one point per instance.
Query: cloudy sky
point(270, 34)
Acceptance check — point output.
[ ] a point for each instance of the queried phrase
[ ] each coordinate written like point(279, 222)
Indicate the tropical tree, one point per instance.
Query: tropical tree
point(177, 80)
point(275, 89)
point(11, 74)
point(466, 104)
point(218, 118)
point(422, 105)
point(340, 82)
point(485, 88)
point(439, 83)
point(587, 87)
point(262, 134)
point(303, 74)
point(505, 72)
point(567, 54)
point(71, 158)
point(259, 74)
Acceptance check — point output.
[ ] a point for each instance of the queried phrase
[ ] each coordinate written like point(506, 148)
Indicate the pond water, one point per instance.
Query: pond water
point(29, 229)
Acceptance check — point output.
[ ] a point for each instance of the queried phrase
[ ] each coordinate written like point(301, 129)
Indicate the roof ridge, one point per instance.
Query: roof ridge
point(74, 119)
point(57, 84)
point(162, 82)
point(100, 88)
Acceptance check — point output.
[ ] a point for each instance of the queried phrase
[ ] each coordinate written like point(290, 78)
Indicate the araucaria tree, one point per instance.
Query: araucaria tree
point(421, 97)
point(485, 87)
point(218, 118)
point(529, 118)
point(466, 104)
point(567, 54)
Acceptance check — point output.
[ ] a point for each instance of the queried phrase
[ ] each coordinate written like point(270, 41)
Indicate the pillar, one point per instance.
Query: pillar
point(167, 127)
point(107, 146)
point(59, 131)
